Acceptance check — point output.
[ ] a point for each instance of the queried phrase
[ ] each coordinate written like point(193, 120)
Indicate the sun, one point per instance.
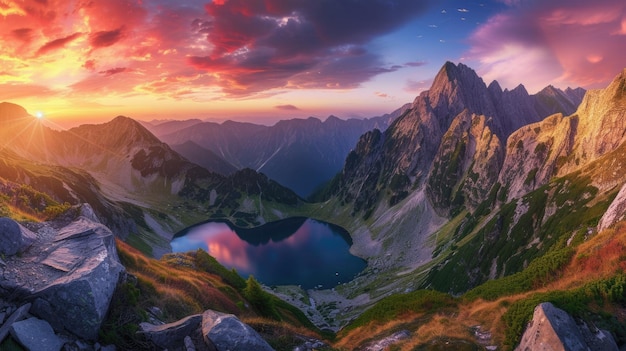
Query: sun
point(39, 114)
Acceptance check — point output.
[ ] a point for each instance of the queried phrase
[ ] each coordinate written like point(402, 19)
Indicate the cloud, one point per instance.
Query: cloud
point(105, 38)
point(257, 45)
point(462, 10)
point(287, 107)
point(415, 64)
point(381, 95)
point(90, 65)
point(17, 91)
point(414, 86)
point(57, 44)
point(23, 34)
point(561, 42)
point(114, 71)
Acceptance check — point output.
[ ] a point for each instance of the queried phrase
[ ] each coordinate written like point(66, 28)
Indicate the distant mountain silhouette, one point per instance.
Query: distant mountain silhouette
point(301, 154)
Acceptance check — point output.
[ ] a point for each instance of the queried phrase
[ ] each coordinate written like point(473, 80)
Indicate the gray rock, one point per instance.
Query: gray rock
point(86, 252)
point(87, 211)
point(171, 335)
point(189, 344)
point(13, 237)
point(384, 343)
point(553, 329)
point(227, 333)
point(69, 274)
point(36, 335)
point(598, 339)
point(616, 211)
point(16, 316)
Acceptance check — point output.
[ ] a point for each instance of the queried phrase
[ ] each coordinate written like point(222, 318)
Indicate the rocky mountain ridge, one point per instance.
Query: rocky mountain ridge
point(452, 139)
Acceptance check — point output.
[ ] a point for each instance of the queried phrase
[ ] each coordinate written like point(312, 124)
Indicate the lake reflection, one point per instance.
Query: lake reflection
point(296, 251)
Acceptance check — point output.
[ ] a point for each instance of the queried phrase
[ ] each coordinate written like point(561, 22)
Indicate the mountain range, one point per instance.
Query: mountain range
point(131, 168)
point(503, 197)
point(300, 154)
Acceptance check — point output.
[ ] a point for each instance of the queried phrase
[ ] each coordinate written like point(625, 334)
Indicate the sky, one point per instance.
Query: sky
point(87, 61)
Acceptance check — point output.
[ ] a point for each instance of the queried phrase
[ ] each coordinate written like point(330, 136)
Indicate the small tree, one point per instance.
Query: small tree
point(261, 300)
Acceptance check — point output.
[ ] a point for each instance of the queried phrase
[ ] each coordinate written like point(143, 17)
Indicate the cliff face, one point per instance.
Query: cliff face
point(450, 143)
point(561, 145)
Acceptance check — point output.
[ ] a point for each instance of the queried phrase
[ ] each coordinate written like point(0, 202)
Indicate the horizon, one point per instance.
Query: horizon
point(261, 62)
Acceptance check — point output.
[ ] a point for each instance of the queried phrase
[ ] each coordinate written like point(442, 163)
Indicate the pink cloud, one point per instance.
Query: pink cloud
point(562, 42)
point(105, 38)
point(114, 71)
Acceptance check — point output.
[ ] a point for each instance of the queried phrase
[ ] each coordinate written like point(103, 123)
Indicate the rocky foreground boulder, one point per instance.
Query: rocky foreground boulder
point(67, 274)
point(210, 331)
point(616, 211)
point(553, 329)
point(13, 237)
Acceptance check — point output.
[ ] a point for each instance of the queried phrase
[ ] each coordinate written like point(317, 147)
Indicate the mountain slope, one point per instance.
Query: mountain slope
point(299, 153)
point(558, 180)
point(204, 157)
point(428, 183)
point(146, 177)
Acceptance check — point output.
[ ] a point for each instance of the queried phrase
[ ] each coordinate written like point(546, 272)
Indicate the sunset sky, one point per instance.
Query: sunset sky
point(262, 60)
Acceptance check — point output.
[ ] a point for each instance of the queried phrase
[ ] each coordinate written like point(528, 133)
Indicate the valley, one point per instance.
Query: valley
point(470, 206)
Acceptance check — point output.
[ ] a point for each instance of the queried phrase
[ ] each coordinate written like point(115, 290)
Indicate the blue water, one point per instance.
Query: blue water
point(294, 251)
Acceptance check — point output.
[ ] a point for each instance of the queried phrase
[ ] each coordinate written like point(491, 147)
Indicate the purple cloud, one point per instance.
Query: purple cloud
point(264, 44)
point(287, 107)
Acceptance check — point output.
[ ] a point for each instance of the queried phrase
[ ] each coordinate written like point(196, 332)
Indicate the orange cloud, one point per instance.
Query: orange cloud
point(57, 43)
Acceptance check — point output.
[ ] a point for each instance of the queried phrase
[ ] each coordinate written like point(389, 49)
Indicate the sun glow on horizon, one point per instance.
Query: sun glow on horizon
point(39, 115)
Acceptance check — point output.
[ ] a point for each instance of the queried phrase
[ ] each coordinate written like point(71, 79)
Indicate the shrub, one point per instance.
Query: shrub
point(538, 273)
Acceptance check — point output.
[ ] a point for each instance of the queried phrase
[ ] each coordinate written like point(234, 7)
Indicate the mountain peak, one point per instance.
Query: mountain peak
point(494, 87)
point(520, 89)
point(550, 90)
point(617, 88)
point(10, 111)
point(450, 72)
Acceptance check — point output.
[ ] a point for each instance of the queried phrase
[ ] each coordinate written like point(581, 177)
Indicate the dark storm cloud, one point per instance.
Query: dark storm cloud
point(264, 44)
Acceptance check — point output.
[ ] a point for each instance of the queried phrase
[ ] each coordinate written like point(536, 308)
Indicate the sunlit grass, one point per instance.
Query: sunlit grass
point(585, 276)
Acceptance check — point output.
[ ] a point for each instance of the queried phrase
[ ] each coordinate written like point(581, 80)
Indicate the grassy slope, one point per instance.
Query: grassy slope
point(587, 281)
point(184, 284)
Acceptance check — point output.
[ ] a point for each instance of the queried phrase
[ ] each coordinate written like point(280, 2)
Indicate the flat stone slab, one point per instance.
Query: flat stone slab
point(171, 335)
point(36, 335)
point(16, 316)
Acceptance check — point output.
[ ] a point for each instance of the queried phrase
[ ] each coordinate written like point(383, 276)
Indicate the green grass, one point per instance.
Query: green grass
point(394, 306)
point(538, 273)
point(577, 302)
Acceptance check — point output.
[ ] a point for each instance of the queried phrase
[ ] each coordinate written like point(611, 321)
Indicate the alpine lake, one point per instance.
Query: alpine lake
point(294, 251)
